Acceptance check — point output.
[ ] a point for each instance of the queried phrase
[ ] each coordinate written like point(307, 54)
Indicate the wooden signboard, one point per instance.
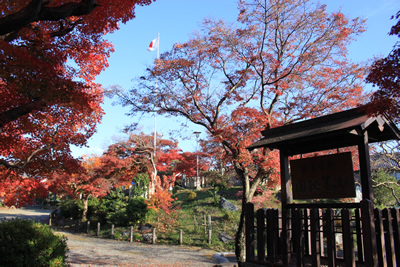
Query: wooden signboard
point(329, 176)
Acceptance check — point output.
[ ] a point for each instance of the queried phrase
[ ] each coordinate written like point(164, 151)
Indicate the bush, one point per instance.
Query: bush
point(94, 205)
point(228, 216)
point(176, 189)
point(71, 208)
point(114, 205)
point(26, 243)
point(136, 211)
point(192, 196)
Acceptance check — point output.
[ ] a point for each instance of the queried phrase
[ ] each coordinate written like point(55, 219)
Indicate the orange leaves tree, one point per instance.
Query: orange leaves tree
point(125, 159)
point(50, 54)
point(137, 155)
point(283, 61)
point(84, 182)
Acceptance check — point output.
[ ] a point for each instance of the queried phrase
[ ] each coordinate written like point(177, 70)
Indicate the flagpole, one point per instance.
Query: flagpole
point(155, 113)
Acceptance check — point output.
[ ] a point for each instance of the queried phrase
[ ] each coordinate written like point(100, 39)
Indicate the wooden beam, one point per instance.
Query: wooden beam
point(285, 199)
point(365, 168)
point(285, 178)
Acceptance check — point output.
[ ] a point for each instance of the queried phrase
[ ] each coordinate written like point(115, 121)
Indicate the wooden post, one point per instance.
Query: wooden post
point(321, 233)
point(209, 229)
point(360, 250)
point(194, 223)
point(347, 234)
point(396, 233)
point(88, 227)
point(380, 238)
point(365, 168)
point(330, 238)
point(205, 225)
point(154, 236)
point(285, 178)
point(389, 237)
point(249, 231)
point(315, 237)
point(307, 234)
point(369, 236)
point(180, 237)
point(131, 234)
point(285, 199)
point(285, 237)
point(98, 229)
point(298, 237)
point(261, 235)
point(112, 231)
point(273, 225)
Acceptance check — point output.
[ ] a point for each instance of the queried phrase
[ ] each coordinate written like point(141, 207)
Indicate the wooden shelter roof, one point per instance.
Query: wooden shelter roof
point(332, 131)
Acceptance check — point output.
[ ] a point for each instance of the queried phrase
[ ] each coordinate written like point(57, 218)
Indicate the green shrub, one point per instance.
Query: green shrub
point(94, 205)
point(136, 211)
point(192, 196)
point(26, 243)
point(229, 216)
point(114, 205)
point(176, 189)
point(117, 235)
point(71, 208)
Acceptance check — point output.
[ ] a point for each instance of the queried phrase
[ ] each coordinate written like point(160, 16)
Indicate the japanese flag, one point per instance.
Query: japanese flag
point(153, 45)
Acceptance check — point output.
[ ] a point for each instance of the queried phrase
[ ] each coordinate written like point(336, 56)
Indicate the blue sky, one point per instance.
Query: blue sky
point(175, 20)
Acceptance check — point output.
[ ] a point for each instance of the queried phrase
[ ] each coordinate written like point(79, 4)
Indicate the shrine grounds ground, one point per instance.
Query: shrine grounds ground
point(92, 251)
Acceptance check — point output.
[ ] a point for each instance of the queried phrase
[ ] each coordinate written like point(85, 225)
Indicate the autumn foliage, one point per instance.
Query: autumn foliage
point(51, 52)
point(282, 62)
point(385, 74)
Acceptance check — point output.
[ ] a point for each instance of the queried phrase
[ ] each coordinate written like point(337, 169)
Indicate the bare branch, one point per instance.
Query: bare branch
point(37, 10)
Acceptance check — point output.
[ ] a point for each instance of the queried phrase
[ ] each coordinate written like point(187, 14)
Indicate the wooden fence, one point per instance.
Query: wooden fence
point(199, 223)
point(322, 234)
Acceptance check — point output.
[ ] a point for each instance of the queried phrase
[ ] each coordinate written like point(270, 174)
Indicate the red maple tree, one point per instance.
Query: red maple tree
point(385, 74)
point(283, 62)
point(51, 52)
point(125, 159)
point(85, 182)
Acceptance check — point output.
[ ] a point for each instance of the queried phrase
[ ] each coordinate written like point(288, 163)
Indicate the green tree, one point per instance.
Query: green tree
point(141, 186)
point(217, 181)
point(114, 204)
point(386, 189)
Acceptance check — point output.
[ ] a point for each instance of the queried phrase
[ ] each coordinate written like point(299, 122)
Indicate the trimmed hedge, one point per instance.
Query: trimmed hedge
point(26, 243)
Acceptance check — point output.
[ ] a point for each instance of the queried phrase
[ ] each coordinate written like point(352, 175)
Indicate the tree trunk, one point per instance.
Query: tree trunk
point(85, 201)
point(248, 193)
point(240, 242)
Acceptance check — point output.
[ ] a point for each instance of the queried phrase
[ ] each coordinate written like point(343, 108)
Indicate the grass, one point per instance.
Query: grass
point(192, 219)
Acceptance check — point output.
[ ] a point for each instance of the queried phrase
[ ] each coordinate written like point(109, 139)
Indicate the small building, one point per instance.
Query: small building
point(304, 234)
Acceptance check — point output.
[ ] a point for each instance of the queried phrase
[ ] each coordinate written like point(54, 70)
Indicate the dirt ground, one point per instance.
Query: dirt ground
point(31, 213)
point(91, 251)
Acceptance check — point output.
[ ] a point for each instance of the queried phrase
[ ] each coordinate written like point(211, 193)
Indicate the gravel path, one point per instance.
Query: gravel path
point(91, 251)
point(31, 213)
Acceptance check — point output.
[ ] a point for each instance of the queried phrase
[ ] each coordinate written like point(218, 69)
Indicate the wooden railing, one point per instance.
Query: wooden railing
point(323, 234)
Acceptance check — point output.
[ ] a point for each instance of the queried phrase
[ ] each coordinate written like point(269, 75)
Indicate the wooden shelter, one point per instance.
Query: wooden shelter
point(305, 234)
